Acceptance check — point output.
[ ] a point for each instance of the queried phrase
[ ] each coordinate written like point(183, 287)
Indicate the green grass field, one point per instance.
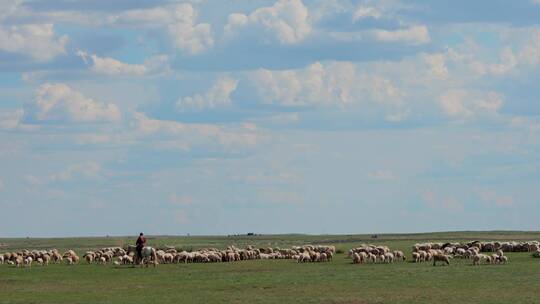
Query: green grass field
point(275, 281)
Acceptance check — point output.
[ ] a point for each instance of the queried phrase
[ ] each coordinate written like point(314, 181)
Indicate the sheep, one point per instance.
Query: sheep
point(415, 257)
point(399, 255)
point(116, 263)
point(356, 258)
point(69, 260)
point(441, 258)
point(304, 257)
point(28, 261)
point(19, 261)
point(46, 259)
point(1, 259)
point(89, 257)
point(389, 257)
point(479, 257)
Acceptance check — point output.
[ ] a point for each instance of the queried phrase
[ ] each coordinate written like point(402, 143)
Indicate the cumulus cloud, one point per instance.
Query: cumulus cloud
point(58, 102)
point(418, 34)
point(379, 9)
point(179, 21)
point(218, 95)
point(335, 83)
point(367, 12)
point(12, 120)
point(187, 135)
point(491, 197)
point(35, 40)
point(111, 66)
point(286, 20)
point(467, 104)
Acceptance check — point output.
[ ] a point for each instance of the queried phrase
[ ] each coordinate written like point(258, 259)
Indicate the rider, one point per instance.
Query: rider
point(141, 242)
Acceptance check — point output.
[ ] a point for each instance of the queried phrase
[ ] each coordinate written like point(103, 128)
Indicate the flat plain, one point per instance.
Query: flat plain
point(274, 281)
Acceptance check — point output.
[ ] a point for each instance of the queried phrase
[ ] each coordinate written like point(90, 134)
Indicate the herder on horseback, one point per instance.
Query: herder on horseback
point(144, 255)
point(141, 242)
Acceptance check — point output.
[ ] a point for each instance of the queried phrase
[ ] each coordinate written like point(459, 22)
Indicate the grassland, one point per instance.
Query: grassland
point(275, 281)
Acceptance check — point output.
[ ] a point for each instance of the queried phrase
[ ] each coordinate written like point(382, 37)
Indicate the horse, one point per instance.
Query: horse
point(148, 254)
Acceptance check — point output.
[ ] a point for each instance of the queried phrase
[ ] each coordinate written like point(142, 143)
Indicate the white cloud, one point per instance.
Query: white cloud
point(366, 12)
point(186, 135)
point(218, 95)
point(492, 198)
point(12, 120)
point(466, 104)
point(35, 40)
point(335, 83)
point(379, 9)
point(417, 34)
point(437, 65)
point(287, 20)
point(180, 22)
point(60, 103)
point(111, 66)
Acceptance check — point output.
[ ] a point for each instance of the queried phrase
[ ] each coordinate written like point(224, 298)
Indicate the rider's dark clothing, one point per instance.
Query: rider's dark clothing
point(141, 242)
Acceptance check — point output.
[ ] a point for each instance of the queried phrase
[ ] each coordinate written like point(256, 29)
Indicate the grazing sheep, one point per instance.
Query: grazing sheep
point(399, 255)
point(116, 263)
point(28, 261)
point(19, 261)
point(1, 259)
point(477, 259)
point(69, 260)
point(356, 258)
point(389, 257)
point(89, 257)
point(503, 259)
point(441, 258)
point(372, 257)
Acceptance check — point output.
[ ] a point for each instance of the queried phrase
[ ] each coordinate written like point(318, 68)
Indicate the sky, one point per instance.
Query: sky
point(279, 116)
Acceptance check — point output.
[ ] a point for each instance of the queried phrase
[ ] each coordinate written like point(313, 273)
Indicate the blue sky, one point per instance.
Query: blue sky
point(221, 117)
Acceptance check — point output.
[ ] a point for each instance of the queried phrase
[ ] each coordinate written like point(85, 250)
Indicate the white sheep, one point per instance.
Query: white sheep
point(28, 261)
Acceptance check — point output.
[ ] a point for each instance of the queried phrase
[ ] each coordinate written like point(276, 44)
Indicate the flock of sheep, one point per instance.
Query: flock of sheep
point(119, 256)
point(425, 252)
point(375, 254)
point(472, 250)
